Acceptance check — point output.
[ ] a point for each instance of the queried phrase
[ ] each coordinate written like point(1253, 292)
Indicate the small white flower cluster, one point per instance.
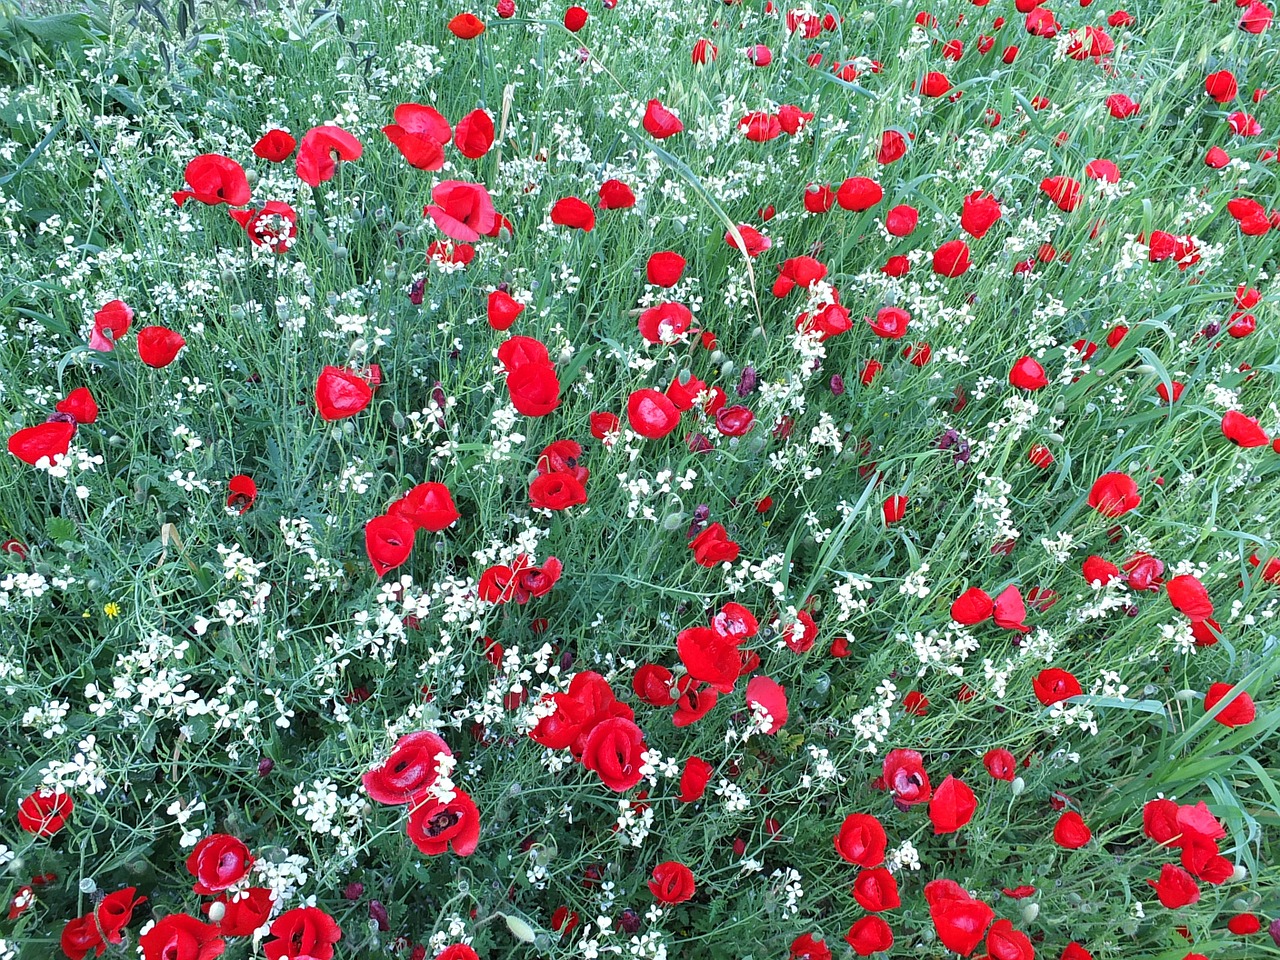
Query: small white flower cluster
point(871, 723)
point(766, 573)
point(84, 770)
point(734, 798)
point(943, 651)
point(848, 597)
point(70, 465)
point(788, 887)
point(47, 718)
point(28, 586)
point(503, 436)
point(916, 583)
point(283, 876)
point(182, 812)
point(902, 857)
point(454, 931)
point(635, 821)
point(331, 813)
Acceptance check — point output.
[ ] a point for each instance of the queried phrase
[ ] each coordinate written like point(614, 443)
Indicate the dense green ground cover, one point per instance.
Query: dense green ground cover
point(995, 335)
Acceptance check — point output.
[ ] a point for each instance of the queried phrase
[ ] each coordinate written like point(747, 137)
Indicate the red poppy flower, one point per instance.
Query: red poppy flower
point(1000, 764)
point(953, 805)
point(1221, 85)
point(241, 492)
point(1010, 611)
point(1243, 431)
point(243, 913)
point(704, 52)
point(420, 133)
point(616, 195)
point(664, 268)
point(869, 935)
point(1063, 191)
point(1176, 887)
point(503, 309)
point(694, 779)
point(960, 921)
point(463, 211)
point(1071, 831)
point(46, 440)
point(859, 193)
point(876, 890)
point(410, 770)
point(756, 242)
point(158, 346)
point(466, 26)
point(435, 826)
point(905, 777)
point(712, 546)
point(861, 840)
point(672, 882)
point(893, 146)
point(575, 18)
point(79, 403)
point(612, 749)
point(894, 509)
point(1256, 18)
point(979, 214)
point(1122, 107)
point(1054, 685)
point(44, 812)
point(972, 607)
point(182, 937)
point(218, 862)
point(890, 323)
point(572, 212)
point(341, 393)
point(806, 947)
point(214, 179)
point(556, 491)
point(1006, 943)
point(652, 414)
point(273, 227)
point(274, 146)
point(534, 389)
point(693, 704)
point(1103, 170)
point(735, 421)
point(791, 118)
point(952, 259)
point(901, 220)
point(428, 506)
point(1114, 494)
point(1189, 597)
point(321, 148)
point(819, 198)
point(388, 541)
point(1244, 924)
point(1027, 374)
point(935, 85)
point(1238, 712)
point(772, 698)
point(659, 122)
point(652, 683)
point(664, 322)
